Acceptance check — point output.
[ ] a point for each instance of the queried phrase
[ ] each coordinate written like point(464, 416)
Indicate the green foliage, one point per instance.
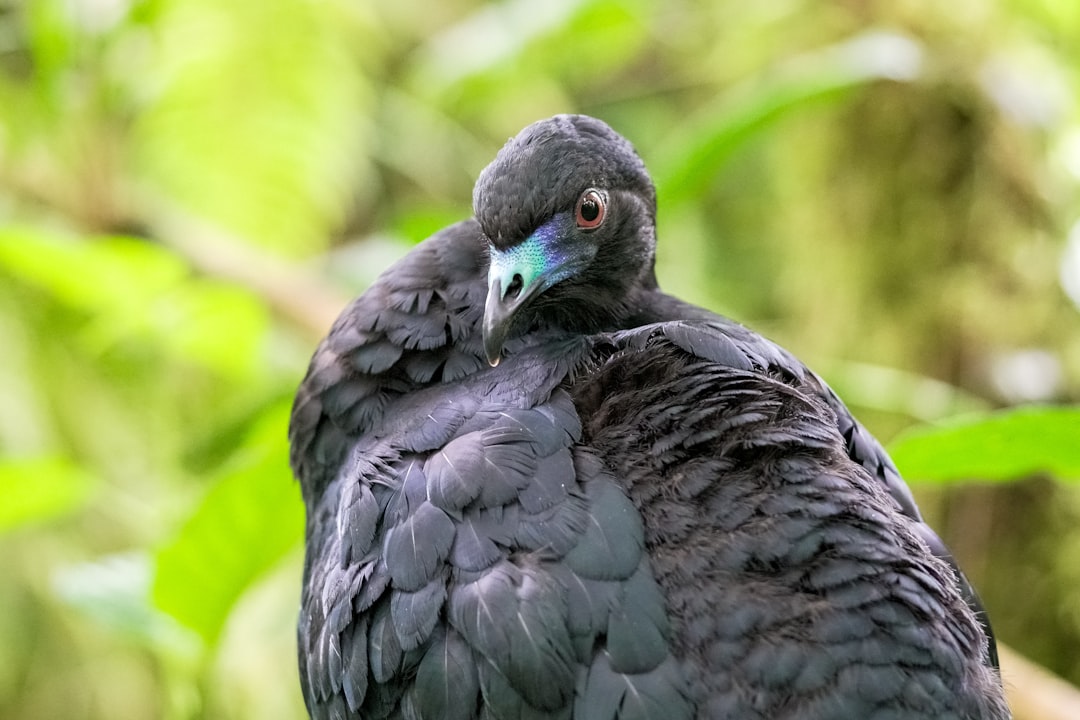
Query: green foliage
point(129, 289)
point(706, 140)
point(115, 591)
point(259, 127)
point(1000, 446)
point(40, 488)
point(246, 523)
point(889, 203)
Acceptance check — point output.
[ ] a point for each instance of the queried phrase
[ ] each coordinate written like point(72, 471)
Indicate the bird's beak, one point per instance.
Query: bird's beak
point(515, 276)
point(519, 273)
point(502, 307)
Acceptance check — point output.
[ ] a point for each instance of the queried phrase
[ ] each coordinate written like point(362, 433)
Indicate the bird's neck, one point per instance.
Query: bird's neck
point(652, 305)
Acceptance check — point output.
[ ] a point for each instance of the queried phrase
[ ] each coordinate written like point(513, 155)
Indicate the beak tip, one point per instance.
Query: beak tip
point(492, 350)
point(495, 324)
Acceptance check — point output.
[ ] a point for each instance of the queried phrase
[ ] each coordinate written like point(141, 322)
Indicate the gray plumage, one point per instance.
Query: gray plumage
point(643, 510)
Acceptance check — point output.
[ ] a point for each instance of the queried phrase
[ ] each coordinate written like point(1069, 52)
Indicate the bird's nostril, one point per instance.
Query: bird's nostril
point(514, 288)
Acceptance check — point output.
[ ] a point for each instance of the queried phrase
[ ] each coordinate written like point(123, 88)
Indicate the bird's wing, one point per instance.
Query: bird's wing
point(864, 449)
point(473, 559)
point(466, 557)
point(797, 583)
point(412, 327)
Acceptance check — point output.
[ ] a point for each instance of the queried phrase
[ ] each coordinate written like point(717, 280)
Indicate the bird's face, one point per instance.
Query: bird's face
point(559, 250)
point(568, 211)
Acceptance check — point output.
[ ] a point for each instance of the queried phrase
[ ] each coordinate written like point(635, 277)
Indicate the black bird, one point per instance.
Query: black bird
point(539, 487)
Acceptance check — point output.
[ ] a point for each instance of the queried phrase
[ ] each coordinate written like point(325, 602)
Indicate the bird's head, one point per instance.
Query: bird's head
point(569, 214)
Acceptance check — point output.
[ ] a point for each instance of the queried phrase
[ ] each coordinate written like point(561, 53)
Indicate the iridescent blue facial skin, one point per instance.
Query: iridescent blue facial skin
point(553, 253)
point(542, 257)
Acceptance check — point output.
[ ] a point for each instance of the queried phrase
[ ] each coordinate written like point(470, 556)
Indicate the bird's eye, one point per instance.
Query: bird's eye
point(590, 210)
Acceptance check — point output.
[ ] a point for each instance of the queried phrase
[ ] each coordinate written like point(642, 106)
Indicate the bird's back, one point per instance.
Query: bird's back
point(797, 585)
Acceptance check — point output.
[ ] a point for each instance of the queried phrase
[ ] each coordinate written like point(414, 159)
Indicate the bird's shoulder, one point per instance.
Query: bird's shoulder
point(700, 332)
point(777, 540)
point(414, 326)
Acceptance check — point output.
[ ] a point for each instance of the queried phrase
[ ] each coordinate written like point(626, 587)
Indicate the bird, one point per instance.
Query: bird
point(538, 486)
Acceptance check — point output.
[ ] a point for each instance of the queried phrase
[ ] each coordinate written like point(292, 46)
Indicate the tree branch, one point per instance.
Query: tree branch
point(304, 299)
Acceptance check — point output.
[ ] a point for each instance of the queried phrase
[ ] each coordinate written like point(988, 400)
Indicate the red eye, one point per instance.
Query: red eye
point(590, 210)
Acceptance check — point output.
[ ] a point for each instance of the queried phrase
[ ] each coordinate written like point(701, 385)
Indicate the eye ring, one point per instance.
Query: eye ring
point(590, 210)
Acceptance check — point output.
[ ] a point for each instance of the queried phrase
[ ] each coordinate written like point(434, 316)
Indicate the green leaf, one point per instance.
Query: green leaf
point(217, 325)
point(133, 289)
point(256, 118)
point(248, 520)
point(40, 488)
point(114, 275)
point(998, 446)
point(52, 40)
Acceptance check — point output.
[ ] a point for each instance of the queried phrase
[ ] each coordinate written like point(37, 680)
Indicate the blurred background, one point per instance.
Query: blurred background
point(191, 189)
